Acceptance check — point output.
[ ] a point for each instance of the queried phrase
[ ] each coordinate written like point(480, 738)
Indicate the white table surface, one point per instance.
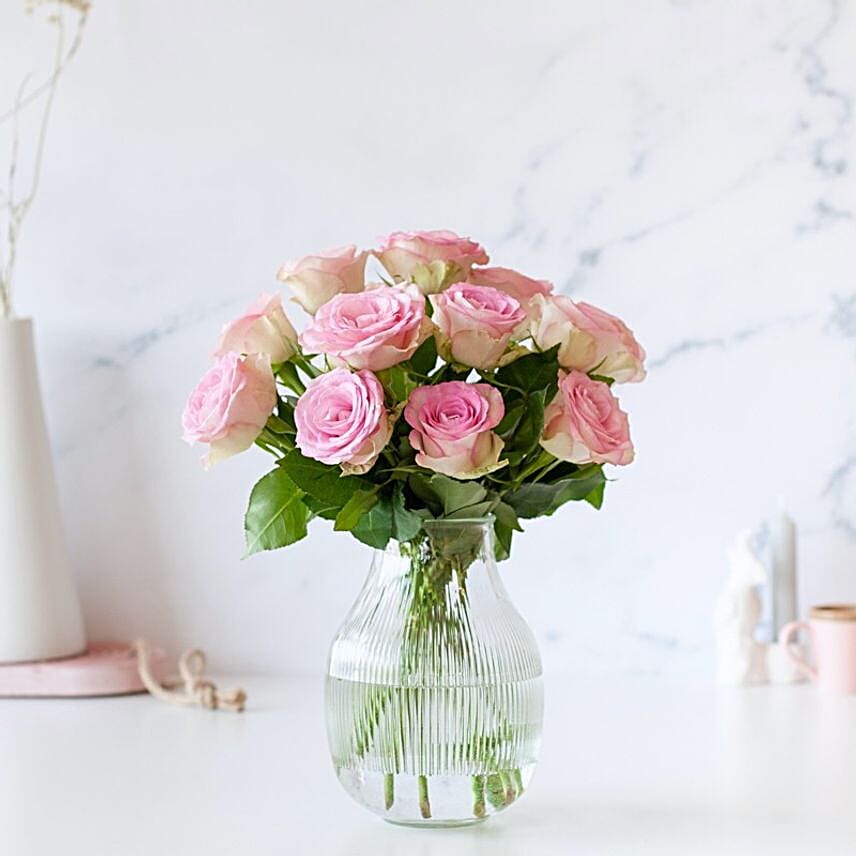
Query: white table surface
point(635, 766)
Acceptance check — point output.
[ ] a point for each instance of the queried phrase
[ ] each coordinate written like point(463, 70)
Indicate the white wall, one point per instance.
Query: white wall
point(688, 165)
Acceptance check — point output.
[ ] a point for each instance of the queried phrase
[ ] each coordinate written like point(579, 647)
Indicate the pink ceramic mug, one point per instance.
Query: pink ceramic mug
point(832, 631)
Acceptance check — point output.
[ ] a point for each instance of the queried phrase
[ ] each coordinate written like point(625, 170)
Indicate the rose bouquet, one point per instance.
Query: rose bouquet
point(445, 392)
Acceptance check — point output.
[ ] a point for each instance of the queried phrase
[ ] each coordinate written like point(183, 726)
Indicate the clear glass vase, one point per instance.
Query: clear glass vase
point(434, 693)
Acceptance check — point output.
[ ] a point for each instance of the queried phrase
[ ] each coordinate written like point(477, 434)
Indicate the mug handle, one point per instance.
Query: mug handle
point(785, 635)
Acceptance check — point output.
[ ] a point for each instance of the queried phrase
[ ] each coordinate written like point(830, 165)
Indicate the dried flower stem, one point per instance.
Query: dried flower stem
point(16, 209)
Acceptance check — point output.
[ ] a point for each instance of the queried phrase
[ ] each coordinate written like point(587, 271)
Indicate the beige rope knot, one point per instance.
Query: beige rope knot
point(195, 688)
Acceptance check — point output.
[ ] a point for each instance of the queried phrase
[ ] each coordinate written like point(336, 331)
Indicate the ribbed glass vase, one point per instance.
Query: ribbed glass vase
point(434, 693)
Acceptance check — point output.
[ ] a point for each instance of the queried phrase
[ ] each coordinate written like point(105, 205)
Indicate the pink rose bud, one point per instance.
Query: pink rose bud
point(374, 329)
point(431, 259)
point(341, 420)
point(584, 424)
point(264, 329)
point(521, 288)
point(476, 323)
point(317, 279)
point(230, 405)
point(452, 425)
point(590, 339)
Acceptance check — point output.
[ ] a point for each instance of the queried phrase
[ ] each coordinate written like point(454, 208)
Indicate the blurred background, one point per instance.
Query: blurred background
point(688, 166)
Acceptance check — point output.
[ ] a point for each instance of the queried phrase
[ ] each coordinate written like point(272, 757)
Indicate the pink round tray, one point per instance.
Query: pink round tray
point(106, 668)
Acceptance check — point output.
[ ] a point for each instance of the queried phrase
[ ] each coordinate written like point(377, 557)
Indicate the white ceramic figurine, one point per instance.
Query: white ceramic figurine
point(741, 659)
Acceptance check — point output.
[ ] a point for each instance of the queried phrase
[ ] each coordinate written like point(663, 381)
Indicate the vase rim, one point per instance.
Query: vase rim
point(457, 521)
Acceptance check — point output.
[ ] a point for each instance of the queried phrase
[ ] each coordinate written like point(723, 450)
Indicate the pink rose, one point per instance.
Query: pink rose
point(584, 424)
point(230, 405)
point(374, 329)
point(316, 279)
point(520, 287)
point(452, 425)
point(432, 260)
point(264, 329)
point(590, 338)
point(475, 324)
point(341, 420)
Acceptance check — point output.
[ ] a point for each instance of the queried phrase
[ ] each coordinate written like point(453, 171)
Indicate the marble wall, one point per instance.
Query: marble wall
point(688, 165)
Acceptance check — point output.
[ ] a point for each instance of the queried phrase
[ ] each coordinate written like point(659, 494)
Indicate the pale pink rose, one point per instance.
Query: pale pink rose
point(475, 323)
point(433, 260)
point(374, 329)
point(589, 338)
point(263, 329)
point(316, 279)
point(341, 420)
point(230, 405)
point(520, 287)
point(452, 428)
point(584, 424)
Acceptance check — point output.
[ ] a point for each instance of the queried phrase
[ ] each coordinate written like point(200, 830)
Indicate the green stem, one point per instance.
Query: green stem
point(433, 568)
point(424, 803)
point(495, 790)
point(508, 785)
point(546, 470)
point(271, 450)
point(307, 367)
point(400, 470)
point(543, 460)
point(287, 374)
point(478, 797)
point(379, 704)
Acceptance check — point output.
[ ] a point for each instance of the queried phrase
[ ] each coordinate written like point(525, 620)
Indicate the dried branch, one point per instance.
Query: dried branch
point(17, 209)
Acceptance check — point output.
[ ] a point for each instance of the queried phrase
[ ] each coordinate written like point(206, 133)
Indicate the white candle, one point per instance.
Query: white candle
point(783, 570)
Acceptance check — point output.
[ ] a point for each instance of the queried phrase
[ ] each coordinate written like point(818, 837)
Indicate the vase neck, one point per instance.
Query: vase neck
point(450, 557)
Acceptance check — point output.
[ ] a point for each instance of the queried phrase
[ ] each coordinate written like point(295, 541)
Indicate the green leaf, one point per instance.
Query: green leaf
point(504, 527)
point(534, 500)
point(326, 510)
point(267, 440)
point(285, 412)
point(525, 439)
point(278, 426)
point(323, 482)
point(397, 383)
point(595, 498)
point(405, 523)
point(480, 509)
point(538, 371)
point(423, 361)
point(503, 535)
point(275, 516)
point(507, 516)
point(448, 372)
point(560, 472)
point(359, 503)
point(513, 415)
point(446, 494)
point(375, 528)
point(288, 375)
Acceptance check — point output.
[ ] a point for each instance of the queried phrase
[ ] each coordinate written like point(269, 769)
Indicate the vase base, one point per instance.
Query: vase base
point(438, 800)
point(437, 824)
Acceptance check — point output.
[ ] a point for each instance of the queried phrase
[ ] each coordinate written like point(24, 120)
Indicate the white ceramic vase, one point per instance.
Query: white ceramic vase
point(40, 614)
